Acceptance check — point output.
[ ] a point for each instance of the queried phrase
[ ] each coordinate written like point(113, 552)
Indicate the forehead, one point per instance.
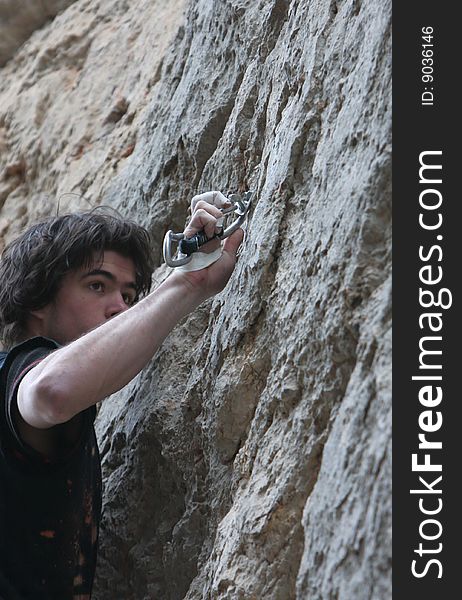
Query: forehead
point(122, 268)
point(115, 260)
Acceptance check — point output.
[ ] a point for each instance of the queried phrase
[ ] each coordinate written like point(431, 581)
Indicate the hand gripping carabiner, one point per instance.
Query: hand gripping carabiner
point(186, 247)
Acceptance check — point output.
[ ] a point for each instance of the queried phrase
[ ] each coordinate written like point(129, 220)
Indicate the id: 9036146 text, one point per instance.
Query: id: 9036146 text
point(426, 68)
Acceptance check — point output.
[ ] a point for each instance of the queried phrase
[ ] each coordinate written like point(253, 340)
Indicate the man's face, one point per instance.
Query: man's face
point(88, 297)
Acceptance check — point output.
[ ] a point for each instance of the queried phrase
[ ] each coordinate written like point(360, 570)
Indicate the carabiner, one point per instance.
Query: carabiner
point(186, 247)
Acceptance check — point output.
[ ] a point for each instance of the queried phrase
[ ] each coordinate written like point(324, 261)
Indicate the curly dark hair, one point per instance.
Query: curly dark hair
point(32, 266)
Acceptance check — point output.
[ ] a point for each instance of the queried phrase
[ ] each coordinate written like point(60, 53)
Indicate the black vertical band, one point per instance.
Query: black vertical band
point(427, 423)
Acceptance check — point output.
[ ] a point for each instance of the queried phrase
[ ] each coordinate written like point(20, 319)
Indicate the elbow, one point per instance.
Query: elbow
point(49, 403)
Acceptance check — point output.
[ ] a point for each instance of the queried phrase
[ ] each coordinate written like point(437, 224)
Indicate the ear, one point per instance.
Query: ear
point(40, 313)
point(37, 320)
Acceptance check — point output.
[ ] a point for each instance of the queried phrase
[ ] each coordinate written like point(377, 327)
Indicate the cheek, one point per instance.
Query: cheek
point(85, 309)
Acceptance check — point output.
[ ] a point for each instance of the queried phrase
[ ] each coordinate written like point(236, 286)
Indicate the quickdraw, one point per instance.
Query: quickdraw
point(186, 247)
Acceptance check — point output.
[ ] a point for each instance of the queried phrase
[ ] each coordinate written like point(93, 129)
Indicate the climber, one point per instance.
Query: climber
point(76, 331)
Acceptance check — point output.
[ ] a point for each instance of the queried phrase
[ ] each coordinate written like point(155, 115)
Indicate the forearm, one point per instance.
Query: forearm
point(104, 360)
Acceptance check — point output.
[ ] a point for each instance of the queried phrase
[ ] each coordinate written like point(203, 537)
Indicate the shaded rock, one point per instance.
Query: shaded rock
point(18, 22)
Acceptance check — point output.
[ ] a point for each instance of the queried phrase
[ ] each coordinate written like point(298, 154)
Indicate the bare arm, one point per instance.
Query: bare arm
point(104, 360)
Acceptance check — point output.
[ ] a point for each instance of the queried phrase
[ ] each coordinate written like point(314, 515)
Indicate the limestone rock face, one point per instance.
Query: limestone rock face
point(251, 459)
point(19, 19)
point(72, 101)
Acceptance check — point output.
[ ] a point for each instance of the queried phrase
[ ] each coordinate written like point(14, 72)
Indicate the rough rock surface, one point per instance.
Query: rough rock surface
point(72, 101)
point(252, 458)
point(18, 22)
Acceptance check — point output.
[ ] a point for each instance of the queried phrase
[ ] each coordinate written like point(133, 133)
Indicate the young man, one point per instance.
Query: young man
point(76, 333)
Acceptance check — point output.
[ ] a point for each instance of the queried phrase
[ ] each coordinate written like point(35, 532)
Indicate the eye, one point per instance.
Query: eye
point(96, 286)
point(129, 299)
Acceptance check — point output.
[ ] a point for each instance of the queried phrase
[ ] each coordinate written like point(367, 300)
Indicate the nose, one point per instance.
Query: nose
point(116, 305)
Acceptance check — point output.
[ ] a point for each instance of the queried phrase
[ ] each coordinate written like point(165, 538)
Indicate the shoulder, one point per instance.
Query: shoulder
point(26, 352)
point(15, 364)
point(55, 443)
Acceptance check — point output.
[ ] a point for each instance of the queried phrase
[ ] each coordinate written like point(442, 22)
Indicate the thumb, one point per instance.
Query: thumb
point(233, 242)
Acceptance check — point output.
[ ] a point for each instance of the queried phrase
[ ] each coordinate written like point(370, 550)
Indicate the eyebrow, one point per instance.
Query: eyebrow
point(108, 275)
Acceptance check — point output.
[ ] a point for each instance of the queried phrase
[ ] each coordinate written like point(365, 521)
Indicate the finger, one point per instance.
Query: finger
point(213, 210)
point(233, 242)
point(201, 219)
point(220, 200)
point(214, 198)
